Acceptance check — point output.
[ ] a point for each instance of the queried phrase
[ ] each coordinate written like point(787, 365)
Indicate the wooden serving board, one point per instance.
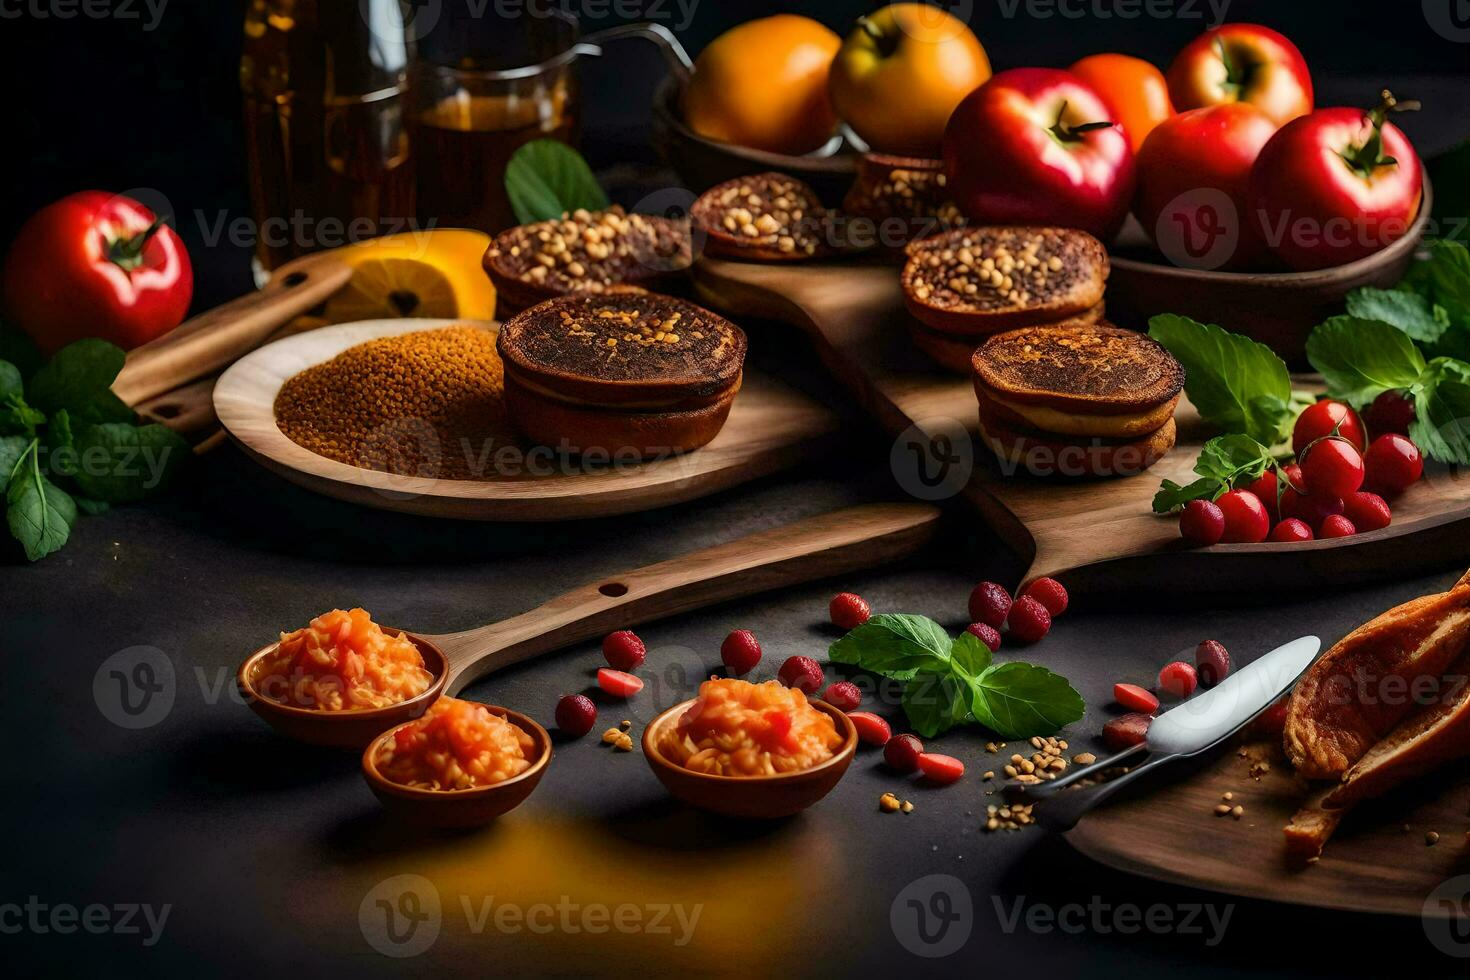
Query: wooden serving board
point(1377, 861)
point(1096, 535)
point(770, 428)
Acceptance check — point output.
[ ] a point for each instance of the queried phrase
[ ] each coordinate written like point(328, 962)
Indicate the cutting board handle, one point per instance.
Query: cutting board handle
point(818, 547)
point(217, 337)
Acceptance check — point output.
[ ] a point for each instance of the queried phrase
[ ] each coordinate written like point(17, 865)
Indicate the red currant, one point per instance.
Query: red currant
point(1291, 529)
point(1332, 468)
point(1320, 420)
point(1050, 593)
point(1202, 523)
point(1394, 464)
point(848, 611)
point(1135, 698)
point(1029, 621)
point(1367, 511)
point(1246, 520)
point(740, 652)
point(623, 650)
point(1267, 489)
point(987, 634)
point(902, 752)
point(576, 714)
point(802, 673)
point(1178, 679)
point(1391, 411)
point(1337, 526)
point(1212, 661)
point(1311, 511)
point(990, 603)
point(844, 696)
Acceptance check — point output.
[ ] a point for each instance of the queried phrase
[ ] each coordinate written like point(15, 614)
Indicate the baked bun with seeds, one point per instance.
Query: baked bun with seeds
point(1099, 369)
point(978, 280)
point(640, 373)
point(905, 199)
point(585, 252)
point(766, 217)
point(953, 351)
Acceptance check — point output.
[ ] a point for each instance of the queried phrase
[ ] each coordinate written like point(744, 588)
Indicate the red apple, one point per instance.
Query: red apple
point(1242, 63)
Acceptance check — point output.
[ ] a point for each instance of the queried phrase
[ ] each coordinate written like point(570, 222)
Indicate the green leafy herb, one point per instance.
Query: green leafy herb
point(1237, 385)
point(546, 178)
point(123, 463)
point(1444, 279)
point(1361, 359)
point(12, 448)
point(39, 513)
point(1441, 427)
point(79, 378)
point(12, 385)
point(1224, 462)
point(1415, 315)
point(953, 681)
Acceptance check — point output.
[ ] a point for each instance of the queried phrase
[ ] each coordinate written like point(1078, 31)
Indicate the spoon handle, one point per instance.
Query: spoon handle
point(818, 547)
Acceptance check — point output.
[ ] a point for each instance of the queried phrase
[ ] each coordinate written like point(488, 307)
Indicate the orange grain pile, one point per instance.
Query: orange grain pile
point(420, 404)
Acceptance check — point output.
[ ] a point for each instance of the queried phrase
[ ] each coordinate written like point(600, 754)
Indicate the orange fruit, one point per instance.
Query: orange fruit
point(763, 84)
point(1133, 89)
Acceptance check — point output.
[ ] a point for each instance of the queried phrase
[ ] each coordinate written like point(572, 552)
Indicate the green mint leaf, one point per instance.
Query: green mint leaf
point(969, 655)
point(895, 645)
point(936, 702)
point(545, 178)
point(1236, 384)
point(1018, 700)
point(1422, 320)
point(1361, 359)
point(1443, 279)
point(121, 463)
point(1171, 495)
point(12, 385)
point(20, 350)
point(1224, 462)
point(1441, 427)
point(39, 513)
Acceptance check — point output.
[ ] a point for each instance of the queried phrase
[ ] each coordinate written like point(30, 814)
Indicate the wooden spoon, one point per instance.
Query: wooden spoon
point(818, 547)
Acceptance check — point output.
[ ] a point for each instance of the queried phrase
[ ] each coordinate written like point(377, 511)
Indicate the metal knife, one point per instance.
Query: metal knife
point(1187, 729)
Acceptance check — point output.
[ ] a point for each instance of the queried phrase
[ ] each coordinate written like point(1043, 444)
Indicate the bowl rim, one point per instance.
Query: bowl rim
point(524, 722)
point(841, 756)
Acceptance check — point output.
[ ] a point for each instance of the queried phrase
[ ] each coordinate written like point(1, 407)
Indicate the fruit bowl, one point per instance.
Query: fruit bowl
point(1277, 308)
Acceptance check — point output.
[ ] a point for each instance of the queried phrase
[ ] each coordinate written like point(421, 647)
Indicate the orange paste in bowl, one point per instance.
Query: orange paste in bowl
point(342, 661)
point(736, 728)
point(455, 745)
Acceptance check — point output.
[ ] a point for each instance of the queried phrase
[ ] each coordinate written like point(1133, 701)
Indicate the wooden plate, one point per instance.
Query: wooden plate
point(1372, 864)
point(1098, 535)
point(770, 427)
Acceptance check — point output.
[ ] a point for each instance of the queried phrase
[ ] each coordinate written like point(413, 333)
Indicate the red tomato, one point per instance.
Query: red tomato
point(1393, 463)
point(1194, 182)
point(1290, 530)
point(1320, 419)
point(1391, 411)
point(1242, 63)
point(96, 265)
point(1246, 520)
point(1336, 186)
point(1038, 146)
point(1133, 89)
point(1332, 468)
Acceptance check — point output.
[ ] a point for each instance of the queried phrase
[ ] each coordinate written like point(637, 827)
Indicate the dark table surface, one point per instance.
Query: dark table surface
point(266, 855)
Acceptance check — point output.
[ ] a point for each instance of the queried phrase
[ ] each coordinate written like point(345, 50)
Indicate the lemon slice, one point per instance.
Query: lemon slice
point(382, 288)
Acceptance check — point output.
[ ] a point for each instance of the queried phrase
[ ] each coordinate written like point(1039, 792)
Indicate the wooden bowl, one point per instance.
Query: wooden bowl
point(459, 808)
point(341, 729)
point(1277, 308)
point(758, 797)
point(702, 162)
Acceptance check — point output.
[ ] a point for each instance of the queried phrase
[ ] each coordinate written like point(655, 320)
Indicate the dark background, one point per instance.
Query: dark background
point(265, 850)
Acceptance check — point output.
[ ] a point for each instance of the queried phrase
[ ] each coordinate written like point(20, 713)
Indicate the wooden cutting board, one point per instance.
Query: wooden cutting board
point(771, 427)
point(1098, 535)
point(1377, 861)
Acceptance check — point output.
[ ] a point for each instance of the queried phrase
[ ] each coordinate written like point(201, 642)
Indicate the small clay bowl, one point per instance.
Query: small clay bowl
point(459, 808)
point(758, 797)
point(351, 729)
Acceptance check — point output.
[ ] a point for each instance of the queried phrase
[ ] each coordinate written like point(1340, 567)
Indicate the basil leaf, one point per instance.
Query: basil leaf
point(12, 385)
point(895, 645)
point(1361, 359)
point(12, 448)
point(1441, 427)
point(1422, 320)
point(75, 375)
point(39, 513)
point(1223, 463)
point(1236, 384)
point(545, 178)
point(119, 463)
point(1018, 700)
point(969, 655)
point(936, 702)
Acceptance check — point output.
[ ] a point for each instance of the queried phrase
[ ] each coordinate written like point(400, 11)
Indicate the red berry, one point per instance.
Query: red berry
point(844, 696)
point(1311, 511)
point(576, 714)
point(871, 729)
point(802, 673)
point(1212, 661)
point(1178, 679)
point(1126, 731)
point(848, 611)
point(1267, 489)
point(740, 652)
point(1367, 511)
point(1029, 621)
point(617, 684)
point(942, 769)
point(1272, 722)
point(1332, 468)
point(1291, 529)
point(1050, 593)
point(1135, 698)
point(1390, 412)
point(1246, 520)
point(988, 635)
point(1293, 474)
point(1393, 464)
point(1337, 526)
point(902, 752)
point(1201, 523)
point(623, 650)
point(990, 604)
point(1320, 420)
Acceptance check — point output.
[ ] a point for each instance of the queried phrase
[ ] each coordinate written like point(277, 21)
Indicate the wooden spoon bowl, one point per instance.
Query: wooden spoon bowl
point(752, 797)
point(459, 808)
